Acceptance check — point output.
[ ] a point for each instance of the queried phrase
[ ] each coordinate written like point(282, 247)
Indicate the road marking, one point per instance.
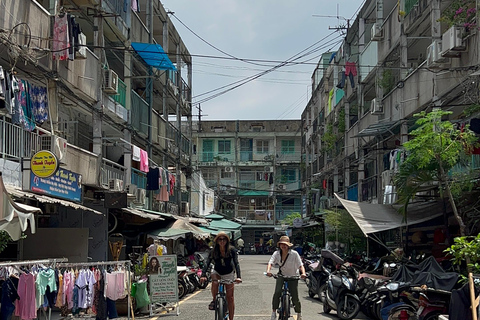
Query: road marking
point(189, 297)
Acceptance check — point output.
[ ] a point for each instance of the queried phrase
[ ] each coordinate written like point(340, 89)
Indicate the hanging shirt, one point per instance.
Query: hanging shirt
point(143, 160)
point(45, 278)
point(152, 179)
point(25, 307)
point(60, 38)
point(85, 282)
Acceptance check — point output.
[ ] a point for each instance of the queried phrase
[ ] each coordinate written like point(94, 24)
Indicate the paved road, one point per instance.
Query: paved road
point(252, 297)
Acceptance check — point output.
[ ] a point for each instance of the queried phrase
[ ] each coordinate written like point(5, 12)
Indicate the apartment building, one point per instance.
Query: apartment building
point(398, 58)
point(105, 86)
point(254, 169)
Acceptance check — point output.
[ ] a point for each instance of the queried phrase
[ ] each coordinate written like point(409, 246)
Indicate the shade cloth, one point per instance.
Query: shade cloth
point(14, 217)
point(153, 55)
point(373, 218)
point(178, 229)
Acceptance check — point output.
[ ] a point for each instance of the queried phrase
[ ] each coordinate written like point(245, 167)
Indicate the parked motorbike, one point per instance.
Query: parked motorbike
point(319, 271)
point(340, 294)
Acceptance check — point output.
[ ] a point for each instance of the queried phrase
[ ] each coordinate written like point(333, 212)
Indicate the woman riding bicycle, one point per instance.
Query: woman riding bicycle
point(225, 259)
point(290, 263)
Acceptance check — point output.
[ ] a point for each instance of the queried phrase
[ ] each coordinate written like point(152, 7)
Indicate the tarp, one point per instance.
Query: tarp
point(373, 218)
point(178, 229)
point(219, 223)
point(141, 213)
point(153, 55)
point(14, 216)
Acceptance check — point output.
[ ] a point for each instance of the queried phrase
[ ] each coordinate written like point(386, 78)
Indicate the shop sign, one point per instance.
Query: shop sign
point(63, 184)
point(164, 281)
point(297, 223)
point(44, 164)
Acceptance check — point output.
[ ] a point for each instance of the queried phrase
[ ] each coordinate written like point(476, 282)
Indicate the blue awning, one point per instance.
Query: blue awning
point(153, 55)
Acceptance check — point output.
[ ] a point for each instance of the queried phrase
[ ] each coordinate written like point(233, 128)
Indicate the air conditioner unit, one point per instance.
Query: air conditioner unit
point(377, 32)
point(141, 196)
point(377, 107)
point(434, 58)
point(268, 169)
point(228, 169)
point(132, 189)
point(282, 187)
point(110, 85)
point(452, 42)
point(115, 184)
point(55, 144)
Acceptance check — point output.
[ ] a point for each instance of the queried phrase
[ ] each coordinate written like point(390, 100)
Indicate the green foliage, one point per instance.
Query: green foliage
point(463, 248)
point(341, 120)
point(289, 218)
point(139, 270)
point(387, 80)
point(460, 13)
point(347, 228)
point(471, 110)
point(328, 139)
point(4, 240)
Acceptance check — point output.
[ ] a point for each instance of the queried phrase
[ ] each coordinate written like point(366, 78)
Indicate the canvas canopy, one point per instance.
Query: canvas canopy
point(178, 229)
point(373, 218)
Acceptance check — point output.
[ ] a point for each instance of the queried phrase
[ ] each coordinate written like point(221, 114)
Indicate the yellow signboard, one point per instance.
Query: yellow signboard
point(44, 164)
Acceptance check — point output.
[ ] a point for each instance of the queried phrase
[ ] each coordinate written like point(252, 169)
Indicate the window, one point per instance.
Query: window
point(262, 146)
point(288, 175)
point(224, 147)
point(288, 146)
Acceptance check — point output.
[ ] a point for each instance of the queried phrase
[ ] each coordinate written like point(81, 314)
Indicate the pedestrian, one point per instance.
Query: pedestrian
point(226, 267)
point(240, 245)
point(290, 264)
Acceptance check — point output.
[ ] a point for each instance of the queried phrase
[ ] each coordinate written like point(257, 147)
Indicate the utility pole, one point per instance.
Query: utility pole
point(97, 108)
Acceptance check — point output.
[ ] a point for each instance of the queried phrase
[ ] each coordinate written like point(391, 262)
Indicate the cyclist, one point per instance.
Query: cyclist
point(226, 267)
point(290, 263)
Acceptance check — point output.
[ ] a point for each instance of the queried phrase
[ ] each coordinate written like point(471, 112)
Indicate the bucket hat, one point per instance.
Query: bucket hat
point(221, 234)
point(284, 240)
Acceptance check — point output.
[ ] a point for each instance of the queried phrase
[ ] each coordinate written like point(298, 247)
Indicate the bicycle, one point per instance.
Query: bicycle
point(285, 302)
point(221, 304)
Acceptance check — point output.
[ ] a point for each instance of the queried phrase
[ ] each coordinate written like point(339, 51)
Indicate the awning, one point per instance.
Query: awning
point(16, 192)
point(163, 214)
point(218, 222)
point(143, 214)
point(178, 229)
point(373, 218)
point(378, 129)
point(253, 193)
point(153, 55)
point(14, 217)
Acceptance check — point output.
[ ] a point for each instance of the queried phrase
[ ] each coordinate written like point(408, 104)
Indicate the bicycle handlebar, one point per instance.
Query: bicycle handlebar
point(284, 277)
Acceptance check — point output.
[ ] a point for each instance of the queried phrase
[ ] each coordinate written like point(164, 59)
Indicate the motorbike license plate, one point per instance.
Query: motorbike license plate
point(419, 311)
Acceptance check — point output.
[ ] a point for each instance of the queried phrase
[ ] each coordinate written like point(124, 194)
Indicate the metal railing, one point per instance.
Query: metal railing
point(111, 170)
point(121, 97)
point(139, 178)
point(15, 142)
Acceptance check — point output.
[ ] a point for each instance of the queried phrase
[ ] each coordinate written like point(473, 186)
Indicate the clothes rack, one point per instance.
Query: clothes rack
point(125, 263)
point(52, 262)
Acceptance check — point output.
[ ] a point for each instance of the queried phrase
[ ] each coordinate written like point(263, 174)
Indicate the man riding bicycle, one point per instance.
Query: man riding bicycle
point(226, 267)
point(290, 263)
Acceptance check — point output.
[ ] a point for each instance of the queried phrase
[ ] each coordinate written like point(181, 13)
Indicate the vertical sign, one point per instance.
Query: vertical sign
point(163, 280)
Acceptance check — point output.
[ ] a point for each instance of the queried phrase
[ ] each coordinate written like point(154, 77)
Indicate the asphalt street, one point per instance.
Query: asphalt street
point(252, 297)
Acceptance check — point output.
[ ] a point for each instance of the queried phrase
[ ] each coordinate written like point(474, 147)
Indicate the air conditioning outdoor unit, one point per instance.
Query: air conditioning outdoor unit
point(268, 169)
point(282, 187)
point(55, 144)
point(111, 82)
point(434, 57)
point(452, 42)
point(141, 196)
point(377, 32)
point(377, 107)
point(132, 189)
point(228, 169)
point(115, 184)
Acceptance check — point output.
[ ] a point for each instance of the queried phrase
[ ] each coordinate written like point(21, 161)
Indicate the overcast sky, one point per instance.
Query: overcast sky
point(264, 34)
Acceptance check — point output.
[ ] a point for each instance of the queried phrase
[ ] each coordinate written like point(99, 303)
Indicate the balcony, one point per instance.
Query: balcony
point(139, 178)
point(139, 114)
point(120, 22)
point(16, 143)
point(111, 170)
point(368, 60)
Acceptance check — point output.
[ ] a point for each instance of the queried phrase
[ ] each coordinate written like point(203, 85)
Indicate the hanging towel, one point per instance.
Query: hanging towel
point(143, 160)
point(135, 153)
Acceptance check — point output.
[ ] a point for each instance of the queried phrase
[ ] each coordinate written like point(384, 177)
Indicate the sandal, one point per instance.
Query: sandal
point(211, 306)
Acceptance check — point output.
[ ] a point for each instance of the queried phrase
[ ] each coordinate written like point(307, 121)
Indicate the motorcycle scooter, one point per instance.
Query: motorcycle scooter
point(340, 294)
point(319, 271)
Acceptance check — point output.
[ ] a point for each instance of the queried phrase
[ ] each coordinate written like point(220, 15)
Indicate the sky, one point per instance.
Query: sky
point(268, 48)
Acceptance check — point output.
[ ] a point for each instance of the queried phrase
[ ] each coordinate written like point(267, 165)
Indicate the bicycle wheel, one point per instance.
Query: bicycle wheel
point(220, 308)
point(285, 307)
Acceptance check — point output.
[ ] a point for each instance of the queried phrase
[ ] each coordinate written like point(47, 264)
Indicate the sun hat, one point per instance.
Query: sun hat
point(284, 240)
point(221, 234)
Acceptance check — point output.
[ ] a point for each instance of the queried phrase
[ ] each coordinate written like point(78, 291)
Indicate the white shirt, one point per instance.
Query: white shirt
point(293, 262)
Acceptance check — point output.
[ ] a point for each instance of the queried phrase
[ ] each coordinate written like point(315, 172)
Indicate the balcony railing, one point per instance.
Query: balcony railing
point(122, 93)
point(111, 170)
point(15, 142)
point(139, 178)
point(139, 114)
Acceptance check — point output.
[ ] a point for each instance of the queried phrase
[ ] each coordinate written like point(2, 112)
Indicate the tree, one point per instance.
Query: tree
point(289, 218)
point(346, 229)
point(4, 240)
point(436, 148)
